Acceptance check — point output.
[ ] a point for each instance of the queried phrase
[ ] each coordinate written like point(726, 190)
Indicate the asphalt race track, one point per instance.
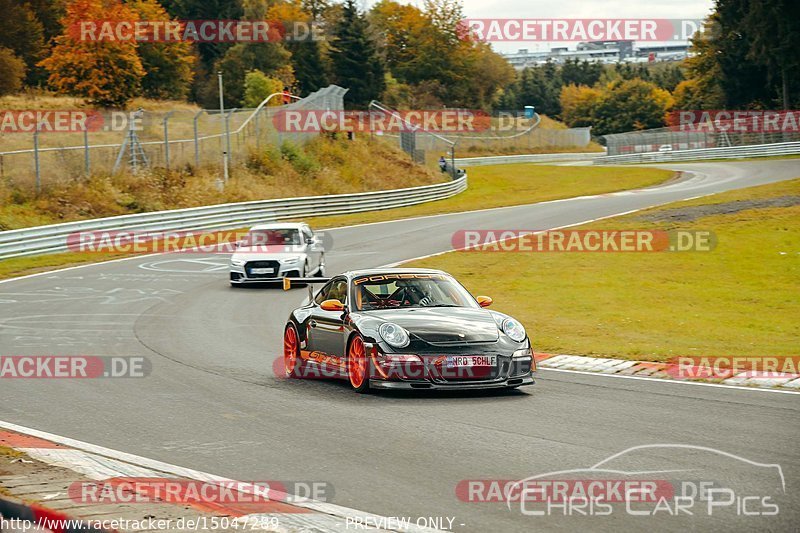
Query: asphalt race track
point(213, 403)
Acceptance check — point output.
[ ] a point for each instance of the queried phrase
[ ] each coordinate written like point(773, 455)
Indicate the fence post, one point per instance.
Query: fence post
point(258, 131)
point(228, 134)
point(166, 139)
point(86, 162)
point(196, 140)
point(36, 159)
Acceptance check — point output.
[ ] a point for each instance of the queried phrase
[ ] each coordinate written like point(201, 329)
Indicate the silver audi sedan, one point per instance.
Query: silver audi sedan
point(271, 252)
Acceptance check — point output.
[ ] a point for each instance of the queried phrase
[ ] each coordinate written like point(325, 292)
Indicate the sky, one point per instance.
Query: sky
point(560, 9)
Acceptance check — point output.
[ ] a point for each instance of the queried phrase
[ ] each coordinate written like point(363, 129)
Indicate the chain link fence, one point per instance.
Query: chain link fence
point(175, 139)
point(674, 139)
point(508, 133)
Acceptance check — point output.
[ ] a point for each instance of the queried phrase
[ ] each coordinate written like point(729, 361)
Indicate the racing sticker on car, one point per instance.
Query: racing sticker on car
point(388, 277)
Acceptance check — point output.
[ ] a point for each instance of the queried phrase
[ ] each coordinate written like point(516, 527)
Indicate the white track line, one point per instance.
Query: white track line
point(659, 380)
point(421, 217)
point(84, 464)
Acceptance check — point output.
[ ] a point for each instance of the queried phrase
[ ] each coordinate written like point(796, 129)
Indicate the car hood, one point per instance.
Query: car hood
point(443, 325)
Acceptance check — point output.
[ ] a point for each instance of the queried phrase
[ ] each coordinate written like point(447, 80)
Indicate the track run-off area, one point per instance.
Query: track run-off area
point(213, 403)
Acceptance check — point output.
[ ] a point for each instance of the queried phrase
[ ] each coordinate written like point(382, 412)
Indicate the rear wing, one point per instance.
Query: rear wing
point(308, 282)
point(289, 282)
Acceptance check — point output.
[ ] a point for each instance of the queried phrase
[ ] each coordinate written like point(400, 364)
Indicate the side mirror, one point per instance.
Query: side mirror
point(484, 301)
point(332, 305)
point(310, 240)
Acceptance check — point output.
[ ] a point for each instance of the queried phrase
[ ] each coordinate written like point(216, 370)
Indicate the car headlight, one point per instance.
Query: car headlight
point(513, 329)
point(237, 262)
point(289, 260)
point(394, 335)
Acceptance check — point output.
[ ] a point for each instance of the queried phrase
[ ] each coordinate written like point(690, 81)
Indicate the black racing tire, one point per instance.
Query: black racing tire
point(321, 270)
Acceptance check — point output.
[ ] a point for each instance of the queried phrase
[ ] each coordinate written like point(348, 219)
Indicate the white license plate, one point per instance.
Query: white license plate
point(471, 360)
point(262, 270)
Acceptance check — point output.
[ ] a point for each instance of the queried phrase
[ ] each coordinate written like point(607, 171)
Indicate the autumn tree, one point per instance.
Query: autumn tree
point(12, 71)
point(310, 70)
point(626, 105)
point(578, 103)
point(107, 73)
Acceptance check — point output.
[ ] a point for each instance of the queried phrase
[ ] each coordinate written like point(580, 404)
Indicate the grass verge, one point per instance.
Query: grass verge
point(515, 184)
point(494, 186)
point(739, 299)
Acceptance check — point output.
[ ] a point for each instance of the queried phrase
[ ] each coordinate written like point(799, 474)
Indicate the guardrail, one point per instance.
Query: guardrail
point(53, 238)
point(527, 158)
point(757, 150)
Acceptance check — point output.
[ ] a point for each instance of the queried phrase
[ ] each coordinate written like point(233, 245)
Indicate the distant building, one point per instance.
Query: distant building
point(607, 52)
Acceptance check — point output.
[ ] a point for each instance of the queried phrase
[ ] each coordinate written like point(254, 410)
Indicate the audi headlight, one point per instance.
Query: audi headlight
point(513, 329)
point(289, 260)
point(237, 262)
point(394, 335)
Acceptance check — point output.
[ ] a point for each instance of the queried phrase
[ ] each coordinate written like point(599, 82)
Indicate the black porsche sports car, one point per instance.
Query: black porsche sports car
point(404, 329)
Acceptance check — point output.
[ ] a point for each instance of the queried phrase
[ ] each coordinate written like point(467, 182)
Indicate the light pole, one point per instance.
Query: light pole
point(222, 116)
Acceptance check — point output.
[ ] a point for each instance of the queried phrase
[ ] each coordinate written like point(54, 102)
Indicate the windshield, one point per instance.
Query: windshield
point(269, 237)
point(410, 290)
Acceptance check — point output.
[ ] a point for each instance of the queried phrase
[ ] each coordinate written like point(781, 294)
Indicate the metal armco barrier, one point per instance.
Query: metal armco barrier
point(757, 150)
point(529, 158)
point(50, 239)
point(40, 517)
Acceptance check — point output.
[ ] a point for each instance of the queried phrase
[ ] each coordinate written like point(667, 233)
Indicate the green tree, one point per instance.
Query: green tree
point(209, 54)
point(49, 13)
point(356, 64)
point(575, 72)
point(269, 58)
point(258, 86)
point(169, 66)
point(667, 76)
point(626, 105)
point(540, 86)
point(722, 63)
point(12, 71)
point(23, 34)
point(774, 29)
